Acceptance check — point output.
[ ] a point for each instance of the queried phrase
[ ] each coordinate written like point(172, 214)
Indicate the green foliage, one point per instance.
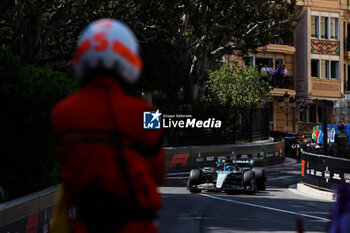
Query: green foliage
point(232, 85)
point(164, 70)
point(28, 153)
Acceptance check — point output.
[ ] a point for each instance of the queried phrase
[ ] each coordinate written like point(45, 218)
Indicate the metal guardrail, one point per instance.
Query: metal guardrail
point(185, 158)
point(324, 171)
point(32, 213)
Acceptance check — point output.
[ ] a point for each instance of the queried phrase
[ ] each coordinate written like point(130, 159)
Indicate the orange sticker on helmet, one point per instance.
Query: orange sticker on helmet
point(127, 54)
point(82, 48)
point(101, 44)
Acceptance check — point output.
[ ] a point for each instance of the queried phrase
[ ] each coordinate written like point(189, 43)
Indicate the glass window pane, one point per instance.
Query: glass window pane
point(314, 26)
point(327, 69)
point(319, 113)
point(248, 61)
point(334, 28)
point(324, 27)
point(324, 69)
point(334, 69)
point(278, 62)
point(302, 115)
point(312, 114)
point(314, 68)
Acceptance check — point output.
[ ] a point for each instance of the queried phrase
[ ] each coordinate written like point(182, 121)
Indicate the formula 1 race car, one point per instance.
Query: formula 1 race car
point(229, 175)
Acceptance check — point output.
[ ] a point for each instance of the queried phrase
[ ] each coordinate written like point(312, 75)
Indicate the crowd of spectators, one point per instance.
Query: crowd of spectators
point(279, 75)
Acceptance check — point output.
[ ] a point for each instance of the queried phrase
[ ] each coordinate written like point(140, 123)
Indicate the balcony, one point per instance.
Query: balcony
point(279, 45)
point(281, 84)
point(277, 48)
point(282, 81)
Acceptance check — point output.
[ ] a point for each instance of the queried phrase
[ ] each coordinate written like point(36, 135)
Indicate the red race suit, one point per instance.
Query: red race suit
point(109, 165)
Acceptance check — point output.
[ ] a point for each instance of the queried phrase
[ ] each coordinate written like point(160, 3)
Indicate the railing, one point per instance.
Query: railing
point(282, 81)
point(283, 41)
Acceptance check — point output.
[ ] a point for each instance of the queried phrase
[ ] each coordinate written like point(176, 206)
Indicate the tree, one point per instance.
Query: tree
point(214, 28)
point(232, 86)
point(45, 32)
point(42, 32)
point(27, 145)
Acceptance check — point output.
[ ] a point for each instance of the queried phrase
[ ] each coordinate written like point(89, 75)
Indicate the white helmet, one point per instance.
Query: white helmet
point(108, 46)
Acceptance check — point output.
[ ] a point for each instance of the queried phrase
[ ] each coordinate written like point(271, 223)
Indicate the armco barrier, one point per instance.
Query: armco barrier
point(324, 171)
point(183, 159)
point(32, 213)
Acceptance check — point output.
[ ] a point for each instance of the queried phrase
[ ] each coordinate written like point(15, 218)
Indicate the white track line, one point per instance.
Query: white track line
point(266, 207)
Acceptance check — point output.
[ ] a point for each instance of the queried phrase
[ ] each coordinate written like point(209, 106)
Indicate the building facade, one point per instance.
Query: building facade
point(318, 63)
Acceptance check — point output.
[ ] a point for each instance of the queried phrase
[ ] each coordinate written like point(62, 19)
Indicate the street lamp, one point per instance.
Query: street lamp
point(284, 101)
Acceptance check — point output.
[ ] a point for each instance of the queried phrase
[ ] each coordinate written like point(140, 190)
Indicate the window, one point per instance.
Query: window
point(334, 28)
point(271, 111)
point(344, 72)
point(324, 27)
point(248, 61)
point(312, 115)
point(324, 68)
point(314, 26)
point(348, 83)
point(302, 115)
point(314, 68)
point(334, 69)
point(319, 113)
point(278, 62)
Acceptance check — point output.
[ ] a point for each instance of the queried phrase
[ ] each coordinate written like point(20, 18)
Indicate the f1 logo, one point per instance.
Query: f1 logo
point(152, 120)
point(179, 159)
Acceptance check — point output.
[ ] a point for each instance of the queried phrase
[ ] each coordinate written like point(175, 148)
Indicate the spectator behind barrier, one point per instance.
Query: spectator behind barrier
point(342, 139)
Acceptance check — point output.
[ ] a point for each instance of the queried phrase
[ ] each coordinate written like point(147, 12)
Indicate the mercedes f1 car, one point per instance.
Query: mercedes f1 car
point(229, 175)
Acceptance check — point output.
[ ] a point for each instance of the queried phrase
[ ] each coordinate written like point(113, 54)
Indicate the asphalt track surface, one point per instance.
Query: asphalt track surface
point(274, 210)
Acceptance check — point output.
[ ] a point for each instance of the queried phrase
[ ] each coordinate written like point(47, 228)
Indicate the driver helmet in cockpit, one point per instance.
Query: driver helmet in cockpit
point(228, 165)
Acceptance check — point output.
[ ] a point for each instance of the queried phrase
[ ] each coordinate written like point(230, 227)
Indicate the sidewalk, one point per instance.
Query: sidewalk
point(313, 192)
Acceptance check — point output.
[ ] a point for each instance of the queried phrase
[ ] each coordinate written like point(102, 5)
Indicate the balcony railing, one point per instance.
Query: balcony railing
point(282, 81)
point(283, 41)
